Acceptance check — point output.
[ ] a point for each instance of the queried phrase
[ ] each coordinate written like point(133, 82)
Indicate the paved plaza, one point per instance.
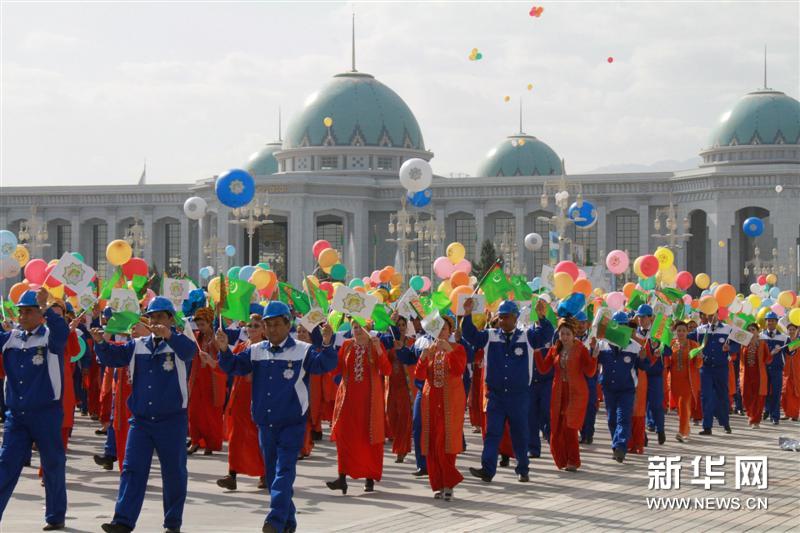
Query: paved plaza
point(602, 496)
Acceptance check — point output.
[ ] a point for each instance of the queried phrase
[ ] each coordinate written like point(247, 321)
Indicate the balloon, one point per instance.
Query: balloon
point(458, 278)
point(22, 255)
point(569, 267)
point(736, 306)
point(235, 188)
point(230, 250)
point(327, 286)
point(535, 284)
point(8, 243)
point(670, 275)
point(9, 267)
point(628, 288)
point(421, 198)
point(195, 208)
point(725, 294)
point(213, 289)
point(665, 257)
point(463, 289)
point(762, 279)
point(754, 301)
point(445, 287)
point(778, 309)
point(416, 175)
point(702, 280)
point(772, 279)
point(427, 284)
point(385, 275)
point(416, 283)
point(455, 252)
point(443, 268)
point(78, 256)
point(327, 122)
point(396, 279)
point(585, 216)
point(319, 246)
point(786, 298)
point(615, 300)
point(118, 252)
point(648, 283)
point(34, 271)
point(649, 266)
point(794, 316)
point(338, 272)
point(233, 272)
point(753, 227)
point(463, 266)
point(533, 241)
point(582, 274)
point(148, 295)
point(204, 273)
point(395, 293)
point(374, 278)
point(328, 257)
point(16, 291)
point(708, 305)
point(356, 282)
point(583, 286)
point(617, 261)
point(684, 280)
point(136, 266)
point(246, 271)
point(562, 284)
point(723, 312)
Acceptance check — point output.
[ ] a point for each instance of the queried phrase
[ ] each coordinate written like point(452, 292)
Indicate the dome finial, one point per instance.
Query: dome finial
point(521, 131)
point(353, 42)
point(765, 66)
point(280, 139)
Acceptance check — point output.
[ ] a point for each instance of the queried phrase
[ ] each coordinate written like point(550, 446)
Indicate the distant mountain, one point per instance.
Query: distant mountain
point(659, 166)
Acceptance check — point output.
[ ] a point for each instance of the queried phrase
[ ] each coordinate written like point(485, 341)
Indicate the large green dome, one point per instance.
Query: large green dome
point(520, 155)
point(365, 112)
point(263, 162)
point(760, 117)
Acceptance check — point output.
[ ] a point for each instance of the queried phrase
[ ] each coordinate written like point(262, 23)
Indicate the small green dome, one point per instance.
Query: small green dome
point(364, 111)
point(263, 162)
point(760, 117)
point(520, 155)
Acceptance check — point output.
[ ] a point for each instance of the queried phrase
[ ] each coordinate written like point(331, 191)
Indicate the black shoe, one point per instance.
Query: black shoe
point(106, 462)
point(53, 527)
point(262, 482)
point(662, 437)
point(504, 460)
point(704, 432)
point(290, 528)
point(420, 472)
point(316, 435)
point(651, 429)
point(589, 439)
point(228, 482)
point(582, 441)
point(727, 429)
point(101, 431)
point(766, 416)
point(534, 455)
point(775, 422)
point(369, 485)
point(619, 454)
point(523, 478)
point(172, 530)
point(269, 528)
point(116, 528)
point(339, 484)
point(480, 473)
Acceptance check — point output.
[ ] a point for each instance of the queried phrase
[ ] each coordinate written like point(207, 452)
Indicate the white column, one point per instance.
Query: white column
point(719, 229)
point(362, 244)
point(201, 240)
point(786, 221)
point(519, 239)
point(479, 229)
point(294, 261)
point(644, 230)
point(150, 237)
point(223, 234)
point(602, 245)
point(442, 220)
point(185, 247)
point(75, 229)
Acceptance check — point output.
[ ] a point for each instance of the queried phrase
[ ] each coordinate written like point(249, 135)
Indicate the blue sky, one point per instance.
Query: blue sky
point(91, 90)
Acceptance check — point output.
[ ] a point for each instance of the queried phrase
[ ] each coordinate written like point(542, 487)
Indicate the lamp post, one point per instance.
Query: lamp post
point(671, 238)
point(136, 237)
point(410, 228)
point(33, 232)
point(508, 251)
point(757, 266)
point(214, 249)
point(251, 217)
point(561, 191)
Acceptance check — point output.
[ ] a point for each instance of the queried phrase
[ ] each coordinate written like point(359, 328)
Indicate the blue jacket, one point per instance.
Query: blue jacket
point(34, 364)
point(713, 355)
point(656, 370)
point(159, 373)
point(775, 339)
point(280, 377)
point(620, 367)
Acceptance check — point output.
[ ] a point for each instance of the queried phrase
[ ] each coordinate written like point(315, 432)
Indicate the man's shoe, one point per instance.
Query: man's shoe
point(480, 473)
point(53, 527)
point(172, 530)
point(651, 429)
point(582, 441)
point(505, 460)
point(369, 485)
point(704, 432)
point(619, 454)
point(589, 439)
point(316, 435)
point(101, 431)
point(116, 528)
point(106, 462)
point(269, 528)
point(523, 478)
point(727, 429)
point(534, 455)
point(290, 528)
point(228, 482)
point(662, 437)
point(420, 472)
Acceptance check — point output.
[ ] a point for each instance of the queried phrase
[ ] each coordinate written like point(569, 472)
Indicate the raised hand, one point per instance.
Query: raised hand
point(327, 333)
point(162, 331)
point(221, 339)
point(97, 335)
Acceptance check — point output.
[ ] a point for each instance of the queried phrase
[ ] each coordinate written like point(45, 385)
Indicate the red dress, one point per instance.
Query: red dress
point(790, 399)
point(122, 390)
point(358, 417)
point(244, 453)
point(400, 395)
point(476, 413)
point(206, 399)
point(443, 403)
point(753, 374)
point(638, 436)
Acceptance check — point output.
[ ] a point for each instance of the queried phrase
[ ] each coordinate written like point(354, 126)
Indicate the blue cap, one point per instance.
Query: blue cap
point(772, 315)
point(581, 317)
point(256, 309)
point(508, 307)
point(160, 303)
point(107, 312)
point(276, 308)
point(28, 299)
point(70, 309)
point(620, 317)
point(644, 310)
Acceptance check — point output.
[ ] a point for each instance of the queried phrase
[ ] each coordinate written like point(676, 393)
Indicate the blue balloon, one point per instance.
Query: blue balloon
point(586, 212)
point(767, 302)
point(235, 188)
point(204, 273)
point(535, 284)
point(421, 198)
point(753, 227)
point(230, 250)
point(571, 305)
point(246, 271)
point(8, 243)
point(774, 292)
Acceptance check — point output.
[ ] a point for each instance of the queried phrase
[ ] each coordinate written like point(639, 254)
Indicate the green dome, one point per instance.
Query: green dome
point(263, 162)
point(761, 117)
point(520, 155)
point(365, 112)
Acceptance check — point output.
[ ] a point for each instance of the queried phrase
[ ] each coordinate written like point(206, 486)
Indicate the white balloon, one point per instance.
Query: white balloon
point(747, 307)
point(9, 267)
point(533, 241)
point(416, 175)
point(195, 208)
point(735, 306)
point(779, 189)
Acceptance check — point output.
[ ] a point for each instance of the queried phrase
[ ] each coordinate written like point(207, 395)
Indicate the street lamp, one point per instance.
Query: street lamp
point(508, 251)
point(251, 217)
point(672, 238)
point(758, 266)
point(561, 191)
point(410, 228)
point(33, 232)
point(136, 237)
point(214, 248)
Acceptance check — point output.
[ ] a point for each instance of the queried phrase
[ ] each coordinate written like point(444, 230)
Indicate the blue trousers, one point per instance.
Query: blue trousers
point(168, 438)
point(43, 427)
point(539, 415)
point(416, 427)
point(110, 447)
point(714, 394)
point(737, 397)
point(514, 409)
point(2, 397)
point(591, 408)
point(772, 405)
point(654, 415)
point(619, 408)
point(80, 393)
point(280, 447)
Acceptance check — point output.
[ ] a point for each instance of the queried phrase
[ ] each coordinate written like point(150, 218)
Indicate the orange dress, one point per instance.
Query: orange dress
point(568, 401)
point(682, 386)
point(206, 400)
point(358, 416)
point(753, 373)
point(106, 395)
point(790, 400)
point(400, 395)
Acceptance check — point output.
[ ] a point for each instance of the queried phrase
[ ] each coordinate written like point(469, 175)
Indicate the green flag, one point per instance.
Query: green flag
point(381, 319)
point(237, 300)
point(105, 292)
point(794, 345)
point(291, 296)
point(662, 329)
point(680, 311)
point(138, 284)
point(440, 300)
point(9, 309)
point(121, 322)
point(495, 285)
point(617, 334)
point(335, 319)
point(522, 292)
point(673, 294)
point(697, 351)
point(317, 295)
point(637, 298)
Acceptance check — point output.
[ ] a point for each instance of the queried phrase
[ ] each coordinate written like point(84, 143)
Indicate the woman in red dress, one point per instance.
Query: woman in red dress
point(791, 378)
point(570, 396)
point(753, 361)
point(244, 453)
point(206, 389)
point(358, 417)
point(442, 366)
point(401, 391)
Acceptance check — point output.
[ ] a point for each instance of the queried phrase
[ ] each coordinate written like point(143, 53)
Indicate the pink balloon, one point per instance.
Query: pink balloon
point(778, 308)
point(615, 300)
point(426, 283)
point(687, 298)
point(581, 273)
point(684, 280)
point(35, 286)
point(320, 245)
point(51, 282)
point(35, 271)
point(463, 266)
point(443, 268)
point(367, 281)
point(649, 265)
point(375, 277)
point(723, 313)
point(267, 291)
point(617, 261)
point(569, 267)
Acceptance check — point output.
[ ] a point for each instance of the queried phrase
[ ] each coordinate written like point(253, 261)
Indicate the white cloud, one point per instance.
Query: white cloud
point(44, 41)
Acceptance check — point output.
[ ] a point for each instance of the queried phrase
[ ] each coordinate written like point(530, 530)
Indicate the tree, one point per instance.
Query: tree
point(488, 258)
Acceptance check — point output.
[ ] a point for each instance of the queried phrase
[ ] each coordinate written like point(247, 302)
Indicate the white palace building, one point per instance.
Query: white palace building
point(340, 183)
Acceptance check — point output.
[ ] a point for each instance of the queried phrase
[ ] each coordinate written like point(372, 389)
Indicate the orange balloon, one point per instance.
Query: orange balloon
point(459, 278)
point(360, 289)
point(385, 275)
point(17, 290)
point(391, 269)
point(627, 289)
point(725, 294)
point(396, 280)
point(582, 285)
point(328, 257)
point(461, 289)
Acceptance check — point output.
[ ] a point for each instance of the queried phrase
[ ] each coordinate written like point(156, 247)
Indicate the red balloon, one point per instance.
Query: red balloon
point(762, 279)
point(136, 266)
point(649, 265)
point(51, 281)
point(320, 245)
point(327, 286)
point(610, 60)
point(35, 271)
point(723, 313)
point(569, 267)
point(684, 280)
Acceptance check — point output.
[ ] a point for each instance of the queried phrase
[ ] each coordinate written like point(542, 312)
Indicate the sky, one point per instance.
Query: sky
point(90, 91)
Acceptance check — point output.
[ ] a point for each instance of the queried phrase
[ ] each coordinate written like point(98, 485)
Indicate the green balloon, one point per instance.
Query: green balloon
point(338, 272)
point(78, 256)
point(263, 265)
point(648, 283)
point(233, 272)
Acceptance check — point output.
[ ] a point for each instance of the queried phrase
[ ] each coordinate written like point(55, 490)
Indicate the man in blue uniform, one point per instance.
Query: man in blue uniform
point(280, 366)
point(776, 341)
point(33, 358)
point(158, 365)
point(508, 363)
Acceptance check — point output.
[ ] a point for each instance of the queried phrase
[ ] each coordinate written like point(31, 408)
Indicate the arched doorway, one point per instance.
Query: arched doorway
point(746, 267)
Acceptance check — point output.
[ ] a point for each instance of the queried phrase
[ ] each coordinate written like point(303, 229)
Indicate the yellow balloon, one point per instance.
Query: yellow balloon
point(562, 284)
point(395, 293)
point(118, 252)
point(445, 287)
point(260, 279)
point(213, 289)
point(786, 299)
point(708, 304)
point(22, 255)
point(794, 316)
point(455, 252)
point(754, 300)
point(56, 292)
point(328, 258)
point(328, 121)
point(760, 316)
point(702, 280)
point(772, 279)
point(637, 267)
point(669, 275)
point(479, 320)
point(665, 258)
point(722, 244)
point(327, 269)
point(597, 291)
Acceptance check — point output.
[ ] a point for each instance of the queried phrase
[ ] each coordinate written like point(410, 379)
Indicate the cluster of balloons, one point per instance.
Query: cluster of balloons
point(569, 279)
point(264, 280)
point(328, 260)
point(13, 256)
point(385, 284)
point(235, 188)
point(453, 264)
point(475, 55)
